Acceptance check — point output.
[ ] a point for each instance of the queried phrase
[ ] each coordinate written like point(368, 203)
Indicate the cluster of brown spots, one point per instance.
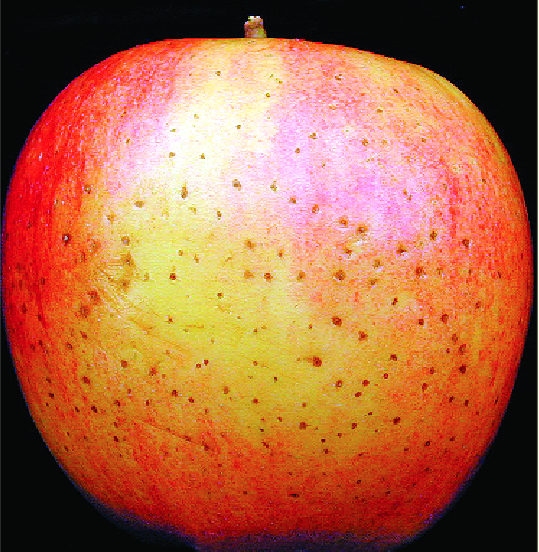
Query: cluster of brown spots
point(362, 336)
point(172, 276)
point(340, 275)
point(336, 321)
point(236, 183)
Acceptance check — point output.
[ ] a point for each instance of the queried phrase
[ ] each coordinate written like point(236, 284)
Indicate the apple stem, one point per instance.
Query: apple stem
point(254, 27)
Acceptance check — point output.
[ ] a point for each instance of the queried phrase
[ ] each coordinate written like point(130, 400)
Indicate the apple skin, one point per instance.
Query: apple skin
point(266, 290)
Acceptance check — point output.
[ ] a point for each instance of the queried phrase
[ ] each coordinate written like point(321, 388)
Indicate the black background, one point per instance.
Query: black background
point(487, 49)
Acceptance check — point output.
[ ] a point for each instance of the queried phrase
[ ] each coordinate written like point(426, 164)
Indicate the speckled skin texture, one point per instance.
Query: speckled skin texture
point(266, 289)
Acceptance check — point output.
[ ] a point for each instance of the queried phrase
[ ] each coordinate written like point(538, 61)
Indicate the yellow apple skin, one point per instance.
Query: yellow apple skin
point(262, 290)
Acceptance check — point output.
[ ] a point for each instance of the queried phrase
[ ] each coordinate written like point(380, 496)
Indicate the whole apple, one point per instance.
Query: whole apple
point(265, 291)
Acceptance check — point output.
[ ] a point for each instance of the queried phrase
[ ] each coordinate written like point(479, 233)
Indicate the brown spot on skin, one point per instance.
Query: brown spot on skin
point(336, 321)
point(317, 361)
point(362, 336)
point(396, 420)
point(445, 318)
point(302, 425)
point(340, 275)
point(401, 249)
point(462, 369)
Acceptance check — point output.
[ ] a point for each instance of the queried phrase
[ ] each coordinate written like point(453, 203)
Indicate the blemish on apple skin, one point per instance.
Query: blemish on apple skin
point(66, 238)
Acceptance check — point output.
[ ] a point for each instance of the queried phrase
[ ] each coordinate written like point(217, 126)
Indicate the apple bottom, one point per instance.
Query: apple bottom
point(164, 536)
point(257, 510)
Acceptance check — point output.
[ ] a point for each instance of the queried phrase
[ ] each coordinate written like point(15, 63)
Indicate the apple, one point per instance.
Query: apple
point(264, 291)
